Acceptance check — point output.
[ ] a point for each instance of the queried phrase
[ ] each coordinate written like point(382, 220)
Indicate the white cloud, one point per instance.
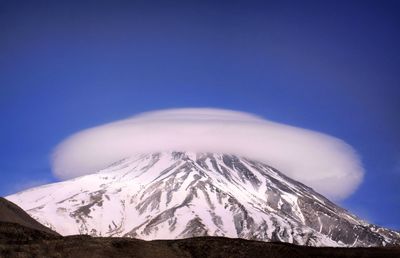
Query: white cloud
point(325, 163)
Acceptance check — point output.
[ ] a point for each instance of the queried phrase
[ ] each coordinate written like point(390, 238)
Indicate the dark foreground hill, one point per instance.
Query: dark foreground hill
point(19, 241)
point(9, 212)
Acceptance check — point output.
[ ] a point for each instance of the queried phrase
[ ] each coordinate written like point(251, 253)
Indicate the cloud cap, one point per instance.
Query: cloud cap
point(323, 162)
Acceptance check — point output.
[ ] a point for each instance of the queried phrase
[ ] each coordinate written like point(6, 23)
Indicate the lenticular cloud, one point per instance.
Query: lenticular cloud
point(325, 163)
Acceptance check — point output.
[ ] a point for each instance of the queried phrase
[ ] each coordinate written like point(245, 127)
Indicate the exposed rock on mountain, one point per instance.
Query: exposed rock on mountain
point(174, 195)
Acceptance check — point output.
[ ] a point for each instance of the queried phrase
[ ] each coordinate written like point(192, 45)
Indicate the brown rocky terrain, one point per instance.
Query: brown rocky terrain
point(19, 241)
point(9, 212)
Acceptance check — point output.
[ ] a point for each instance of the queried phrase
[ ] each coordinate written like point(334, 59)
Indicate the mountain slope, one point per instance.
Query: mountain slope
point(179, 195)
point(9, 212)
point(20, 241)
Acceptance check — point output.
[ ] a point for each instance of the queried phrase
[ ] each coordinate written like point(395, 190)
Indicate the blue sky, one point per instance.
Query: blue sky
point(329, 66)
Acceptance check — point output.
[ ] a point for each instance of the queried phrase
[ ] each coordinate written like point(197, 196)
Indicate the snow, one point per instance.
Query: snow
point(131, 196)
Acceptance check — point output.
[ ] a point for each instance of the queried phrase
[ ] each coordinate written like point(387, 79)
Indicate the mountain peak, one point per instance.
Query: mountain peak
point(185, 194)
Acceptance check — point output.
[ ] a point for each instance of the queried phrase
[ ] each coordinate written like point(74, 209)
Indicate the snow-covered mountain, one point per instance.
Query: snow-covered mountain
point(173, 195)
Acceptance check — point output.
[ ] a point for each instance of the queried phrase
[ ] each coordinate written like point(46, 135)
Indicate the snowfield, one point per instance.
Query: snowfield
point(173, 195)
